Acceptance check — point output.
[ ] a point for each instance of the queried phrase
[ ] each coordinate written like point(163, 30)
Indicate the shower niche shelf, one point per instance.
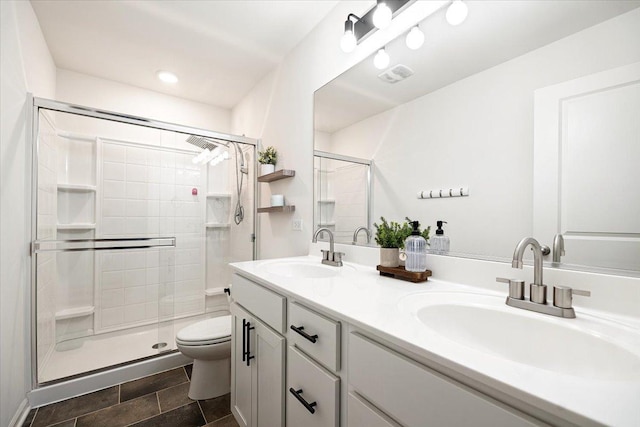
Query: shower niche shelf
point(76, 226)
point(76, 187)
point(277, 175)
point(219, 196)
point(217, 225)
point(72, 313)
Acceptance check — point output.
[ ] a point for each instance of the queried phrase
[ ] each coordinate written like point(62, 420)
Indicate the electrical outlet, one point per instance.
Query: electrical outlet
point(296, 224)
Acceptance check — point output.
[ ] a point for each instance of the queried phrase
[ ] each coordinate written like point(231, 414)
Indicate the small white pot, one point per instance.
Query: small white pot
point(389, 257)
point(266, 169)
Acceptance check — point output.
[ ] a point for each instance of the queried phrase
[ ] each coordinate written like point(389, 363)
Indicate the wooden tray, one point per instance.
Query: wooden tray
point(402, 274)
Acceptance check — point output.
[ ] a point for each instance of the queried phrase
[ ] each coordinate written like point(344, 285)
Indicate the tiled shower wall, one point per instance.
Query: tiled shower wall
point(351, 203)
point(148, 192)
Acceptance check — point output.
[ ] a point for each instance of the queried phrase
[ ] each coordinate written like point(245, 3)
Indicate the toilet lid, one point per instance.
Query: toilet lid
point(210, 330)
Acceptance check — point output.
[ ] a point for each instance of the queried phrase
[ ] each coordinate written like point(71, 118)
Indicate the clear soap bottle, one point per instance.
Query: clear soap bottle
point(416, 250)
point(440, 242)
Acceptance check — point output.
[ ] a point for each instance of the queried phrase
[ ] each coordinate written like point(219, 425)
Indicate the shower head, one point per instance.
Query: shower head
point(205, 143)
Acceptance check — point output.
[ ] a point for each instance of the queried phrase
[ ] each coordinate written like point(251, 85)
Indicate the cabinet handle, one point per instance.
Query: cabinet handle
point(249, 357)
point(306, 404)
point(244, 339)
point(300, 330)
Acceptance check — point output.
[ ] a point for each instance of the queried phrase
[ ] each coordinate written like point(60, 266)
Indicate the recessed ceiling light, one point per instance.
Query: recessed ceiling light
point(167, 77)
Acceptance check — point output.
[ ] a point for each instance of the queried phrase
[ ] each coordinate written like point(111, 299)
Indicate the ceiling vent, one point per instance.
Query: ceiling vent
point(396, 73)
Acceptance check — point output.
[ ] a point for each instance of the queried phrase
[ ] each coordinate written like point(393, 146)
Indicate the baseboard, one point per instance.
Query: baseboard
point(48, 394)
point(21, 414)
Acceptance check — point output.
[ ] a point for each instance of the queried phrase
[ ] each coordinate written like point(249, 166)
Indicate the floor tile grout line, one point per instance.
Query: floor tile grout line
point(158, 400)
point(34, 417)
point(202, 412)
point(157, 415)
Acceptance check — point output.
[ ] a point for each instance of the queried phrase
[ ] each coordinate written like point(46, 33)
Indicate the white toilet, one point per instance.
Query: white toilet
point(208, 342)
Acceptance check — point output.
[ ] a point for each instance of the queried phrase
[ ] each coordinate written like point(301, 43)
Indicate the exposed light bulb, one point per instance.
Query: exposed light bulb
point(206, 155)
point(457, 12)
point(381, 60)
point(382, 16)
point(167, 77)
point(348, 42)
point(415, 38)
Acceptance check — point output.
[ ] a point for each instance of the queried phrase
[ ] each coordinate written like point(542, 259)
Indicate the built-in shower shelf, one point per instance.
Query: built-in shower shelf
point(275, 176)
point(271, 209)
point(72, 313)
point(76, 187)
point(77, 226)
point(217, 225)
point(214, 291)
point(327, 202)
point(219, 196)
point(327, 224)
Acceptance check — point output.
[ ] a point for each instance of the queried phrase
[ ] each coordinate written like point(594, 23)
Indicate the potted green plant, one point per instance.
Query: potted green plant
point(267, 159)
point(390, 236)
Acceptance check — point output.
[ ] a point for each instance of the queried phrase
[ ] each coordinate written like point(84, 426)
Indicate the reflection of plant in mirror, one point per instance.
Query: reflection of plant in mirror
point(268, 157)
point(391, 234)
point(424, 233)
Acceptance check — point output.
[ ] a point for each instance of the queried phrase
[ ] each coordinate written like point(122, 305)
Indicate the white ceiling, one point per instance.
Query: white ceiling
point(218, 49)
point(494, 32)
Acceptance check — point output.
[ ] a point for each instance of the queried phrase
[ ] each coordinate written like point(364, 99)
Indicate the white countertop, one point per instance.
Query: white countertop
point(382, 306)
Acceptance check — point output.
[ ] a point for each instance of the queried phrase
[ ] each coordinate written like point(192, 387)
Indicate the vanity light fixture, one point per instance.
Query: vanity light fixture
point(415, 38)
point(348, 42)
point(167, 77)
point(382, 15)
point(457, 12)
point(381, 60)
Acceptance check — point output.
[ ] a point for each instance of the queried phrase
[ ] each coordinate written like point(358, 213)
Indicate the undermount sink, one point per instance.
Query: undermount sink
point(305, 269)
point(588, 348)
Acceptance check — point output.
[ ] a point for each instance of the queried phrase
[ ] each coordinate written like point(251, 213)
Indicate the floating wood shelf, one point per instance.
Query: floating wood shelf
point(401, 273)
point(275, 176)
point(288, 208)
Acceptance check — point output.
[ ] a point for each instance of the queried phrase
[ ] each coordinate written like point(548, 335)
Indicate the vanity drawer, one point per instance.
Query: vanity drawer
point(261, 302)
point(362, 414)
point(316, 334)
point(318, 391)
point(412, 393)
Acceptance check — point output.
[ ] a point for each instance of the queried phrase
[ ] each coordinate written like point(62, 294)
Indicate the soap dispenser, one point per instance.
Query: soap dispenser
point(440, 242)
point(416, 250)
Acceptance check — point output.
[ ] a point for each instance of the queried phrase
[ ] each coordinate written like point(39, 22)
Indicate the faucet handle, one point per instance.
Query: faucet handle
point(325, 254)
point(563, 296)
point(516, 287)
point(337, 257)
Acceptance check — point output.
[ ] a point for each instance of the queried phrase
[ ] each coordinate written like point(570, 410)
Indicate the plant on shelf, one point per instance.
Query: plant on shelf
point(267, 159)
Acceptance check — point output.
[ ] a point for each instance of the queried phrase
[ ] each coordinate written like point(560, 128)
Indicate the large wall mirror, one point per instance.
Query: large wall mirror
point(531, 106)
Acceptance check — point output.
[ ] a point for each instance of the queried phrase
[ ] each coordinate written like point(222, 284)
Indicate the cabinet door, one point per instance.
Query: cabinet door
point(269, 369)
point(241, 395)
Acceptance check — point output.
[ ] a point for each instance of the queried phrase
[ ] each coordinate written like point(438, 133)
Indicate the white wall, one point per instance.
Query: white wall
point(82, 89)
point(279, 110)
point(478, 132)
point(26, 66)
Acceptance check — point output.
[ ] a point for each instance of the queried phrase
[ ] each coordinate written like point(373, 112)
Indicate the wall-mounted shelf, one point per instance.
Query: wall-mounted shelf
point(327, 202)
point(219, 196)
point(327, 224)
point(217, 225)
point(277, 175)
point(77, 226)
point(76, 187)
point(214, 291)
point(288, 208)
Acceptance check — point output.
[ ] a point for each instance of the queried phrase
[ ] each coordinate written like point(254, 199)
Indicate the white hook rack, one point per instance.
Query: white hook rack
point(442, 193)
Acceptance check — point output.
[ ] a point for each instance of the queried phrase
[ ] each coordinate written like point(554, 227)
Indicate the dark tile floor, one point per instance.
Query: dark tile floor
point(155, 401)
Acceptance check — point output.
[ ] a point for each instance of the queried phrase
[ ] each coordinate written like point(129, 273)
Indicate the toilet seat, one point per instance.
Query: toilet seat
point(206, 332)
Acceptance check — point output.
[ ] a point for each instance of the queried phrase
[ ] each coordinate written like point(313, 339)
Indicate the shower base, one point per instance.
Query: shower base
point(101, 351)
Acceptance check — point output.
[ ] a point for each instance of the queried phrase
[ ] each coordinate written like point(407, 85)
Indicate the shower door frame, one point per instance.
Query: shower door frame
point(32, 127)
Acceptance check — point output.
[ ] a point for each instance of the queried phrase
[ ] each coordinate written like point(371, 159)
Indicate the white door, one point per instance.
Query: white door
point(586, 175)
point(241, 390)
point(269, 393)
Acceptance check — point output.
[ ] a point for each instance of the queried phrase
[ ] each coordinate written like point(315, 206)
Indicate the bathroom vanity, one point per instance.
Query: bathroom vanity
point(343, 346)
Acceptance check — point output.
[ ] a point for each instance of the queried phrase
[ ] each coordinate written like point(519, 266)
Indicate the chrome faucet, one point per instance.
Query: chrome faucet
point(358, 230)
point(328, 257)
point(562, 296)
point(558, 247)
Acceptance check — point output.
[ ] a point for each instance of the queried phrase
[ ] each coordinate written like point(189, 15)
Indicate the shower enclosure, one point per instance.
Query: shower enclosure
point(134, 225)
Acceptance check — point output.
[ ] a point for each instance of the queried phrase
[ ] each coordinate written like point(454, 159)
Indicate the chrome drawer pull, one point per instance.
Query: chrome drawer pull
point(306, 404)
point(300, 330)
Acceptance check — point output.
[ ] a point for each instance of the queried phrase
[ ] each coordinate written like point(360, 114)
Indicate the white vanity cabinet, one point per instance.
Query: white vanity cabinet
point(415, 395)
point(257, 356)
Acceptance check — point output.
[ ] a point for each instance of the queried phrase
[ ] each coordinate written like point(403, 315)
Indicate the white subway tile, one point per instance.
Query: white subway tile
point(113, 207)
point(113, 171)
point(136, 173)
point(112, 279)
point(135, 295)
point(113, 226)
point(135, 260)
point(134, 313)
point(113, 153)
point(114, 189)
point(136, 190)
point(112, 298)
point(111, 261)
point(135, 277)
point(137, 155)
point(112, 316)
